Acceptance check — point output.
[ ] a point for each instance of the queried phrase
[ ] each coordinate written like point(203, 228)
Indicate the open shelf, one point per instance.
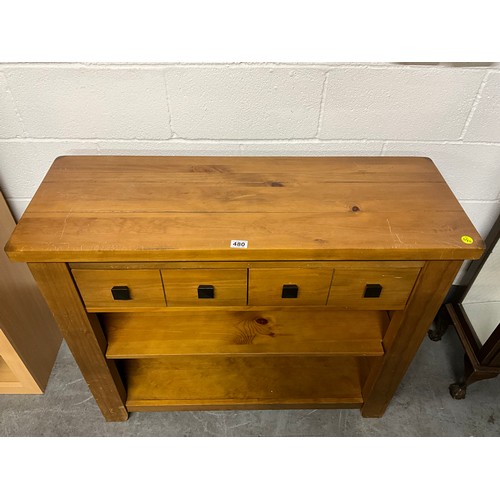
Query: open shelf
point(279, 332)
point(209, 382)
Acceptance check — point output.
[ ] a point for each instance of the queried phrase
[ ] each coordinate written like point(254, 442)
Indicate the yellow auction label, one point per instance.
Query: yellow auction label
point(468, 240)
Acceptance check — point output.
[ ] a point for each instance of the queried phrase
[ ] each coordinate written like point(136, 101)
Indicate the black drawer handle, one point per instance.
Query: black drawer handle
point(121, 293)
point(290, 292)
point(373, 291)
point(206, 292)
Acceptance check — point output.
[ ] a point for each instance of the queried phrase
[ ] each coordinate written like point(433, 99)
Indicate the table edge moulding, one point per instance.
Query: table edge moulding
point(196, 283)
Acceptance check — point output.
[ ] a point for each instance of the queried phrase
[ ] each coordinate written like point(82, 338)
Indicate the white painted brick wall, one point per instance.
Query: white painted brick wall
point(245, 103)
point(398, 103)
point(90, 103)
point(449, 113)
point(10, 125)
point(486, 123)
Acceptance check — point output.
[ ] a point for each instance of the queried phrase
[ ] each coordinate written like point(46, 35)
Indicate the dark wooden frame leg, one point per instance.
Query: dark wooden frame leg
point(441, 323)
point(472, 374)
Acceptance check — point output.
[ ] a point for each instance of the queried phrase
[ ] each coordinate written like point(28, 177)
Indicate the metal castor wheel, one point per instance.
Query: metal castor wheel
point(458, 391)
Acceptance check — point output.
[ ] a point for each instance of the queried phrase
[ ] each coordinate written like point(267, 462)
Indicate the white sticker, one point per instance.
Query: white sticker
point(239, 244)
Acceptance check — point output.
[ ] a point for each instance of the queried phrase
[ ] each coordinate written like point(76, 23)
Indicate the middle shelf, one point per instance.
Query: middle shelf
point(307, 331)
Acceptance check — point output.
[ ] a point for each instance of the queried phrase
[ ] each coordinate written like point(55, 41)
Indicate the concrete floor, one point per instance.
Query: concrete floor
point(422, 406)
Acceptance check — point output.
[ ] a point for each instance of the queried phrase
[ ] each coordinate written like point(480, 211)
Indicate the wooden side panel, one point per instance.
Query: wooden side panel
point(405, 334)
point(15, 378)
point(30, 340)
point(84, 336)
point(6, 375)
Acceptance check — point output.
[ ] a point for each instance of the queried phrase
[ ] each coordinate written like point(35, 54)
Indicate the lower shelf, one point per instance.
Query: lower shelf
point(207, 382)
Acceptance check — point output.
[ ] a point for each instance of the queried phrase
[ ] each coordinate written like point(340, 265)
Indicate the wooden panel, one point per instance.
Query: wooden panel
point(181, 286)
point(304, 236)
point(29, 337)
point(95, 286)
point(15, 375)
point(285, 332)
point(84, 337)
point(166, 194)
point(244, 265)
point(405, 334)
point(160, 209)
point(241, 169)
point(348, 287)
point(6, 375)
point(265, 286)
point(244, 382)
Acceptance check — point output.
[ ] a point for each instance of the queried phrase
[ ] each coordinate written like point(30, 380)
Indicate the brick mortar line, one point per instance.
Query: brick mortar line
point(14, 103)
point(475, 104)
point(162, 66)
point(322, 104)
point(466, 200)
point(180, 140)
point(169, 107)
point(275, 65)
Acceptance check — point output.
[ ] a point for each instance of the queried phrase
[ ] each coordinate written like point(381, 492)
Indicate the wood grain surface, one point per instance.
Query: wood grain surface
point(265, 286)
point(145, 288)
point(29, 337)
point(349, 285)
point(8, 381)
point(181, 287)
point(159, 208)
point(185, 383)
point(283, 332)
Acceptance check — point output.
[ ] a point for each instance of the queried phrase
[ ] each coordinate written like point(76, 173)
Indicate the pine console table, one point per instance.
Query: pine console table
point(184, 283)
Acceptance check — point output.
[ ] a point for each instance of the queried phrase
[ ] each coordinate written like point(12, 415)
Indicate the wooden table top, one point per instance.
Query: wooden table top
point(139, 208)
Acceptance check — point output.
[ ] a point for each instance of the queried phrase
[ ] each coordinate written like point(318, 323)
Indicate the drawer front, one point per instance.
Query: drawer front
point(372, 288)
point(109, 290)
point(205, 287)
point(289, 286)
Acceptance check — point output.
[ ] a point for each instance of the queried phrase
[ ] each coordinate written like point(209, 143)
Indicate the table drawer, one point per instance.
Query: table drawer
point(108, 290)
point(288, 286)
point(372, 287)
point(205, 287)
